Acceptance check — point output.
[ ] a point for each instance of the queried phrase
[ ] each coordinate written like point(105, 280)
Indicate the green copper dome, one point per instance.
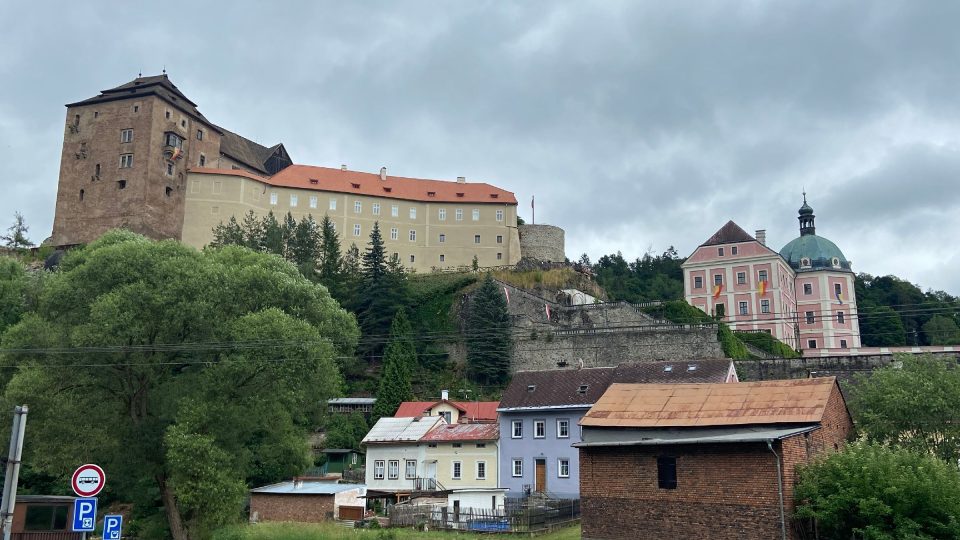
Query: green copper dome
point(811, 252)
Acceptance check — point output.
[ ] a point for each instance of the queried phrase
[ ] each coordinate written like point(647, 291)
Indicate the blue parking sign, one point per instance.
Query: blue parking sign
point(111, 527)
point(84, 514)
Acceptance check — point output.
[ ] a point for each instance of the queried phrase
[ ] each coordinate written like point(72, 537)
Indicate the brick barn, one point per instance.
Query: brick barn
point(307, 501)
point(711, 461)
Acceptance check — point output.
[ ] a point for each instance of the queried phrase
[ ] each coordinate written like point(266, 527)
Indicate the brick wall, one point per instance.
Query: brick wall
point(299, 508)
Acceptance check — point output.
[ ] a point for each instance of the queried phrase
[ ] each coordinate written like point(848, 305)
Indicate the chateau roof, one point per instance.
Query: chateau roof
point(369, 184)
point(251, 154)
point(795, 401)
point(582, 388)
point(730, 233)
point(154, 85)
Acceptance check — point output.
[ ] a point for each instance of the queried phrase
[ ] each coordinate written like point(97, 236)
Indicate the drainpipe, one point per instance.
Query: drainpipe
point(783, 521)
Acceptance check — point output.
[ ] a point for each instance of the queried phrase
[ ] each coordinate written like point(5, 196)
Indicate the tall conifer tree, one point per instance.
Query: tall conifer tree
point(489, 342)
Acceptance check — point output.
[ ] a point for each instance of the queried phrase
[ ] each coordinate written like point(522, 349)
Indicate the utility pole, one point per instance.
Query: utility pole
point(13, 469)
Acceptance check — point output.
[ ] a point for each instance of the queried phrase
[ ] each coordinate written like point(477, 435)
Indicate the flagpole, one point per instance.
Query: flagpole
point(533, 211)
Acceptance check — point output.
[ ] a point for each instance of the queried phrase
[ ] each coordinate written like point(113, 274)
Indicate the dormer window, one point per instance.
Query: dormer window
point(692, 367)
point(431, 194)
point(314, 181)
point(667, 369)
point(835, 262)
point(388, 189)
point(583, 389)
point(804, 263)
point(494, 195)
point(355, 186)
point(531, 387)
point(459, 194)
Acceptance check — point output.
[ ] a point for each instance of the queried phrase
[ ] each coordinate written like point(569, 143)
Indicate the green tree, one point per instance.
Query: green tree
point(253, 232)
point(194, 374)
point(876, 492)
point(288, 233)
point(399, 361)
point(942, 330)
point(915, 405)
point(346, 431)
point(488, 337)
point(273, 235)
point(17, 233)
point(330, 265)
point(880, 326)
point(13, 287)
point(381, 292)
point(227, 235)
point(305, 248)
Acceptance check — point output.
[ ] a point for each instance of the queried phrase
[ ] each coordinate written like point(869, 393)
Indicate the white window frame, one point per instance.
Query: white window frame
point(456, 470)
point(313, 201)
point(811, 344)
point(126, 135)
point(413, 212)
point(442, 214)
point(356, 229)
point(394, 233)
point(563, 425)
point(126, 161)
point(744, 308)
point(697, 282)
point(516, 429)
point(459, 214)
point(274, 197)
point(499, 215)
point(357, 207)
point(516, 468)
point(482, 476)
point(376, 209)
point(542, 425)
point(741, 278)
point(406, 469)
point(764, 306)
point(475, 215)
point(394, 211)
point(443, 258)
point(443, 238)
point(413, 235)
point(761, 275)
point(840, 318)
point(333, 204)
point(807, 289)
point(476, 239)
point(393, 469)
point(379, 468)
point(294, 200)
point(563, 463)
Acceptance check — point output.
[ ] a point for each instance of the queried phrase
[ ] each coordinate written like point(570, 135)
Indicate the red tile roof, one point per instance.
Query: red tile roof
point(475, 410)
point(463, 432)
point(699, 405)
point(394, 187)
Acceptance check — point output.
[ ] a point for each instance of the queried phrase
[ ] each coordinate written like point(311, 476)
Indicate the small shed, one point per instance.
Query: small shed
point(307, 501)
point(43, 517)
point(343, 459)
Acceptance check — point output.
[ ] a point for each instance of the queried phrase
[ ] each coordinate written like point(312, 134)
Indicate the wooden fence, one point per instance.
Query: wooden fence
point(531, 516)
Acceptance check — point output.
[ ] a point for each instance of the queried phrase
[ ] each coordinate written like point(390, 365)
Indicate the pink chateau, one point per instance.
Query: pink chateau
point(803, 295)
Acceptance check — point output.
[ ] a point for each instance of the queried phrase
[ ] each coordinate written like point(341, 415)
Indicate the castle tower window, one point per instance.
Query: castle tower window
point(840, 319)
point(126, 161)
point(136, 108)
point(167, 115)
point(203, 160)
point(121, 184)
point(126, 135)
point(81, 194)
point(168, 191)
point(199, 134)
point(172, 140)
point(96, 171)
point(733, 250)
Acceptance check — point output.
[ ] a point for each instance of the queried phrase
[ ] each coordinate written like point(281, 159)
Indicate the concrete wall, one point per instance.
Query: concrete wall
point(542, 242)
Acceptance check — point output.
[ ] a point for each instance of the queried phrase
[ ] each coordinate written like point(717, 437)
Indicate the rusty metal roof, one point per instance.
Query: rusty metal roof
point(463, 432)
point(796, 401)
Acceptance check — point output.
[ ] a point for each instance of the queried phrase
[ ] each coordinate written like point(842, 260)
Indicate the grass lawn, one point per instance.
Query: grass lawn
point(302, 531)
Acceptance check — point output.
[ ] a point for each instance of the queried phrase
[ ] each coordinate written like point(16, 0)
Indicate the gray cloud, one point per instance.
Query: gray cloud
point(637, 124)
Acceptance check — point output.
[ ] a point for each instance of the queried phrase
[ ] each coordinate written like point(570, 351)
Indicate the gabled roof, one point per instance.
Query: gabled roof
point(463, 432)
point(797, 401)
point(474, 410)
point(582, 388)
point(388, 430)
point(242, 149)
point(155, 85)
point(730, 233)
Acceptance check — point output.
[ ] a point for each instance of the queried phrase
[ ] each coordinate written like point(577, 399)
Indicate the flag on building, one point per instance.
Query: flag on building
point(839, 297)
point(763, 288)
point(716, 290)
point(546, 307)
point(506, 292)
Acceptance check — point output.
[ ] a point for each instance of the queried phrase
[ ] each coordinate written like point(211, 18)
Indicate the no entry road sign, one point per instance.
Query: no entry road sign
point(88, 480)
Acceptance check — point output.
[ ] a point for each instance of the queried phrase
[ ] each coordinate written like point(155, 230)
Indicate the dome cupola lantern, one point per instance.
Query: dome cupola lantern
point(806, 218)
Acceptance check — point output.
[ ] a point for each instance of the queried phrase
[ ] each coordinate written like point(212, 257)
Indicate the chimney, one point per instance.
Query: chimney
point(343, 167)
point(762, 236)
point(444, 395)
point(383, 173)
point(461, 179)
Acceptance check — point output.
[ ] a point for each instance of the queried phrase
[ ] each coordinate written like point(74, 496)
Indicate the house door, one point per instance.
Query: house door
point(430, 473)
point(540, 476)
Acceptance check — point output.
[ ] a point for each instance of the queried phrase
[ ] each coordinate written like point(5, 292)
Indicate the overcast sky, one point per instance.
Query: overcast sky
point(637, 125)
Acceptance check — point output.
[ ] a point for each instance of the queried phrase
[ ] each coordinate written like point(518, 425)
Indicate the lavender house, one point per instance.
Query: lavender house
point(541, 410)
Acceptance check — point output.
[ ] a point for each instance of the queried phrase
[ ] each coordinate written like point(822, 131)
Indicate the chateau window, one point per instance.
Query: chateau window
point(563, 429)
point(762, 275)
point(481, 470)
point(199, 134)
point(811, 344)
point(843, 344)
point(412, 258)
point(96, 171)
point(720, 252)
point(442, 258)
point(743, 308)
point(357, 207)
point(837, 289)
point(516, 428)
point(810, 317)
point(394, 211)
point(410, 471)
point(476, 239)
point(376, 209)
point(394, 233)
point(720, 310)
point(294, 200)
point(378, 469)
point(539, 429)
point(413, 213)
point(273, 197)
point(476, 214)
point(183, 123)
point(333, 204)
point(393, 469)
point(203, 160)
point(459, 214)
point(697, 282)
point(313, 201)
point(718, 279)
point(413, 236)
point(169, 169)
point(443, 238)
point(442, 214)
point(81, 194)
point(517, 468)
point(173, 140)
point(499, 256)
point(136, 108)
point(121, 184)
point(840, 318)
point(667, 472)
point(733, 250)
point(499, 238)
point(356, 229)
point(741, 278)
point(217, 188)
point(167, 115)
point(499, 215)
point(563, 468)
point(126, 135)
point(126, 161)
point(807, 288)
point(764, 306)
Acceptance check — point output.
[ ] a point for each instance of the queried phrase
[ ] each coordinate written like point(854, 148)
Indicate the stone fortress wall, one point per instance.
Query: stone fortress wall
point(542, 242)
